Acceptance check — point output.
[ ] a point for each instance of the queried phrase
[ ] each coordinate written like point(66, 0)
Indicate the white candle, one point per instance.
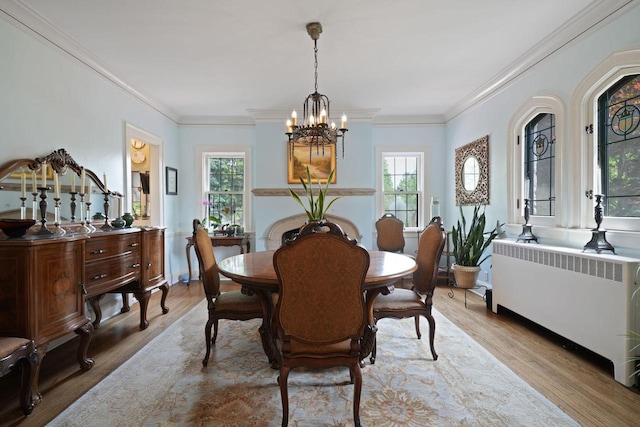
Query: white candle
point(73, 182)
point(23, 182)
point(44, 174)
point(344, 121)
point(104, 180)
point(323, 116)
point(294, 118)
point(89, 189)
point(288, 126)
point(56, 185)
point(312, 120)
point(82, 180)
point(33, 182)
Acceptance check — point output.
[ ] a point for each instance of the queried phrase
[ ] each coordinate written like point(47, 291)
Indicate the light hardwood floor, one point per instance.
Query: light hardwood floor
point(579, 383)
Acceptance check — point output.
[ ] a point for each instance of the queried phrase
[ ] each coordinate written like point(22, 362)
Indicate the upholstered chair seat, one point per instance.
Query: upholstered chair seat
point(16, 351)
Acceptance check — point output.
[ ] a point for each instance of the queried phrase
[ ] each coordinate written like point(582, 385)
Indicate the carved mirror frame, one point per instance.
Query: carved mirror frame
point(478, 149)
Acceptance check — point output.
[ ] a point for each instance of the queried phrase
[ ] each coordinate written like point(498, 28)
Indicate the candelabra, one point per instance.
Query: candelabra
point(58, 231)
point(43, 212)
point(87, 215)
point(23, 208)
point(527, 235)
point(84, 228)
point(34, 207)
point(106, 225)
point(598, 240)
point(73, 206)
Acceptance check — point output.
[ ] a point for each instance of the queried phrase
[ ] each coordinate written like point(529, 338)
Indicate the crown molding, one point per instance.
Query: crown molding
point(597, 14)
point(28, 20)
point(409, 120)
point(279, 192)
point(214, 121)
point(279, 115)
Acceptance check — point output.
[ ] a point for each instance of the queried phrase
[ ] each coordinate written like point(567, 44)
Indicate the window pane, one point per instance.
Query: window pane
point(400, 186)
point(225, 194)
point(539, 173)
point(619, 147)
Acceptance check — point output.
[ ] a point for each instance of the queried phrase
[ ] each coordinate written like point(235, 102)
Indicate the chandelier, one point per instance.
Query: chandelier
point(315, 130)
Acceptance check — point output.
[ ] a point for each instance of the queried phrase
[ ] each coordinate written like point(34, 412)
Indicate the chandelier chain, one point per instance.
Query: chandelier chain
point(315, 55)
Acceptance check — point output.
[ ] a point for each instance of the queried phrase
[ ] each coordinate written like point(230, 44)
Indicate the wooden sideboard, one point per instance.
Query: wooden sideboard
point(42, 293)
point(45, 281)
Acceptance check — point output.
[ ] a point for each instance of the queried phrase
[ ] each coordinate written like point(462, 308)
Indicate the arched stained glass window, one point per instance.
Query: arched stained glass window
point(619, 147)
point(539, 164)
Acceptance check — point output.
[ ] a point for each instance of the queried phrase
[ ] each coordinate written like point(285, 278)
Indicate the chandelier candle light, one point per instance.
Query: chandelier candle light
point(315, 130)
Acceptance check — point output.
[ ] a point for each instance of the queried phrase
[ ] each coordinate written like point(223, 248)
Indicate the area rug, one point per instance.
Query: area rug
point(164, 384)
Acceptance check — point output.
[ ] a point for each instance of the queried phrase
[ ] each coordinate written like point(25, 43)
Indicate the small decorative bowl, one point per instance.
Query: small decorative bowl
point(15, 227)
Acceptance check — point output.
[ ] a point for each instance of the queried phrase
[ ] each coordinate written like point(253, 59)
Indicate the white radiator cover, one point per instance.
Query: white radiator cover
point(584, 297)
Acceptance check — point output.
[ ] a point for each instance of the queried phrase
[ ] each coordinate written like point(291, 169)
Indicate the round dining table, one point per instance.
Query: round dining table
point(255, 272)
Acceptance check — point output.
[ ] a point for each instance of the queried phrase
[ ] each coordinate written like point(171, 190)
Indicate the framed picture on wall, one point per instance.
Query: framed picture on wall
point(321, 161)
point(172, 181)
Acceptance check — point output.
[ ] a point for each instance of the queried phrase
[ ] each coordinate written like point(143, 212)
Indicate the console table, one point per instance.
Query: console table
point(240, 241)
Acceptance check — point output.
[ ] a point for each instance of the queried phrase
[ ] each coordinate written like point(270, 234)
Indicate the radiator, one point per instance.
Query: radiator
point(584, 297)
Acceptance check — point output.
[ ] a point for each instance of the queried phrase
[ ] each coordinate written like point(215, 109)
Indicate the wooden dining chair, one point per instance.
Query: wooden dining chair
point(231, 305)
point(390, 233)
point(417, 301)
point(320, 314)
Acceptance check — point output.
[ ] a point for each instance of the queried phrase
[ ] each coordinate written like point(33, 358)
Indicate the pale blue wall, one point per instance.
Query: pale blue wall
point(50, 100)
point(559, 76)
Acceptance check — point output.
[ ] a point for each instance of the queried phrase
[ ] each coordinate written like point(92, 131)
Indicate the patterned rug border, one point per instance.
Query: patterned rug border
point(466, 386)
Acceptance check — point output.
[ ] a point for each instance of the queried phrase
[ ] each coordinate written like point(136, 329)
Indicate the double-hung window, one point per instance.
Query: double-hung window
point(225, 194)
point(402, 186)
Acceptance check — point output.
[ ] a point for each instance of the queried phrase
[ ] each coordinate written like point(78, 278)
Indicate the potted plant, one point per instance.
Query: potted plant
point(316, 210)
point(469, 246)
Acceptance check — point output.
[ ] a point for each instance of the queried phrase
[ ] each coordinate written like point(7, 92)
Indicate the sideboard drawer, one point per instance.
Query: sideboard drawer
point(106, 275)
point(101, 247)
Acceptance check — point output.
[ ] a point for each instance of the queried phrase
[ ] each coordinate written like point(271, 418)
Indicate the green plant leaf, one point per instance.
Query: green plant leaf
point(316, 208)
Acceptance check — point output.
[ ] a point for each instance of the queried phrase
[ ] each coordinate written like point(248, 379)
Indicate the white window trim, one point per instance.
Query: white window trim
point(583, 113)
point(515, 155)
point(423, 159)
point(226, 151)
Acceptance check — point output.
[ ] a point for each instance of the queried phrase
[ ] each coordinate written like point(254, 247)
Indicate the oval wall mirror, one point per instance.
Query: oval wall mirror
point(472, 173)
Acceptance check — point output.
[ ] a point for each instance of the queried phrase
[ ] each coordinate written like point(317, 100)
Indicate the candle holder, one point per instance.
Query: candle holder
point(88, 217)
point(106, 225)
point(73, 206)
point(598, 240)
point(23, 208)
point(34, 207)
point(58, 231)
point(83, 229)
point(527, 235)
point(43, 212)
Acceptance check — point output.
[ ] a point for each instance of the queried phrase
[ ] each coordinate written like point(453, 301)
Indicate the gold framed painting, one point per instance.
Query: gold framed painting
point(321, 161)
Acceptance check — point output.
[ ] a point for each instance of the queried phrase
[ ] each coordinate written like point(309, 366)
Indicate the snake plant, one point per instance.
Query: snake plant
point(316, 209)
point(469, 245)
